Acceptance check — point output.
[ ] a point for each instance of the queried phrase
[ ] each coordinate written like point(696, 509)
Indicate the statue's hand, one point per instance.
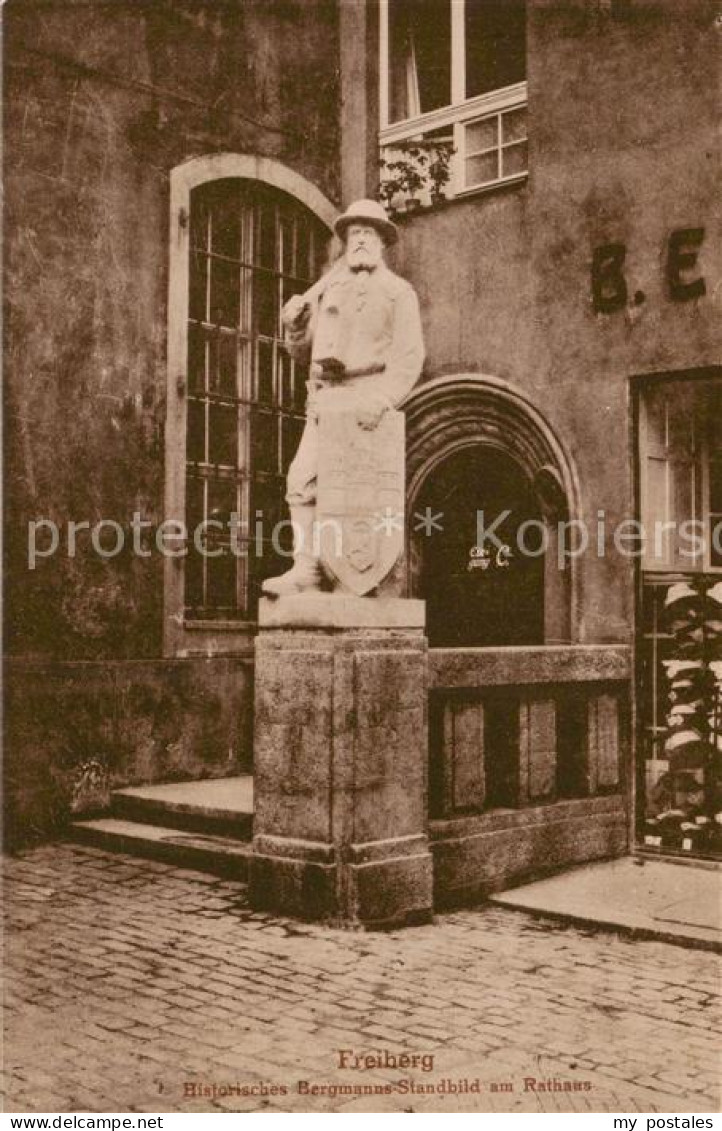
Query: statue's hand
point(296, 313)
point(369, 414)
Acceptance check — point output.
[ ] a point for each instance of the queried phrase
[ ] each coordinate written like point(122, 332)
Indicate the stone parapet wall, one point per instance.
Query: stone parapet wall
point(486, 852)
point(529, 763)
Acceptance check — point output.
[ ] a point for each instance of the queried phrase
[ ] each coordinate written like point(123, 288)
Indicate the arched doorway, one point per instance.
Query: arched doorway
point(478, 594)
point(475, 443)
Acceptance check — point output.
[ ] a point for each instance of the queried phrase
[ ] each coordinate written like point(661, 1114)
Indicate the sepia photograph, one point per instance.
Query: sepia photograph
point(362, 572)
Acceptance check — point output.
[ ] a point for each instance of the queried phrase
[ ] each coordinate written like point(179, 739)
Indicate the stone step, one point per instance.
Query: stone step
point(222, 856)
point(220, 807)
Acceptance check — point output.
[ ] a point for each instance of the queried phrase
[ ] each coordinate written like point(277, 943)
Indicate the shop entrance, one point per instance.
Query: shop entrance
point(680, 604)
point(478, 594)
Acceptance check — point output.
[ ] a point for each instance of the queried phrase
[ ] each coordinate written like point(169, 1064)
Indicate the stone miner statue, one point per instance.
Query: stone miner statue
point(360, 327)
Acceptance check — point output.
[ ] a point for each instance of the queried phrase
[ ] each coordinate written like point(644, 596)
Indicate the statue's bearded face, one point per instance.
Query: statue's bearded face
point(364, 247)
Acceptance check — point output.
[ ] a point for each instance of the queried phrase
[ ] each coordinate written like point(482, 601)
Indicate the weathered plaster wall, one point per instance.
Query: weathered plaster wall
point(101, 101)
point(622, 126)
point(75, 731)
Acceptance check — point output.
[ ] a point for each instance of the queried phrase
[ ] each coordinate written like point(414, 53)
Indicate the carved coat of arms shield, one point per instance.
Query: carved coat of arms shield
point(360, 498)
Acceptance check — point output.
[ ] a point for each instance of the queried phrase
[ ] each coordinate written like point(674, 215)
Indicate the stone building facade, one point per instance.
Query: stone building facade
point(173, 171)
point(104, 104)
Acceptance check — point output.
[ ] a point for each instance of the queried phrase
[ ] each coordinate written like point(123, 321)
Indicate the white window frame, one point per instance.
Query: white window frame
point(459, 114)
point(181, 636)
point(701, 509)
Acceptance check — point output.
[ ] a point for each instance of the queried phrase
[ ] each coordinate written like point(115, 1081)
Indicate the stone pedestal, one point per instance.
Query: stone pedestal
point(340, 774)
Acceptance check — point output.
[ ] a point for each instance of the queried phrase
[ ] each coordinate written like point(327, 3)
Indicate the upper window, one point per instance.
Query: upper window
point(419, 57)
point(453, 78)
point(494, 45)
point(251, 248)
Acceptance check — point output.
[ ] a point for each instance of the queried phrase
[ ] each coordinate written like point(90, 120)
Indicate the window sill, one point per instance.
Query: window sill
point(191, 638)
point(492, 186)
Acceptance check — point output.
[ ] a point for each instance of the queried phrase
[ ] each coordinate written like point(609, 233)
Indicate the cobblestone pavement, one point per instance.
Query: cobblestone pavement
point(129, 982)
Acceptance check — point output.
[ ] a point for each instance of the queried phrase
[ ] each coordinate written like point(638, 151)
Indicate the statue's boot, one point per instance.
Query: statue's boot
point(305, 574)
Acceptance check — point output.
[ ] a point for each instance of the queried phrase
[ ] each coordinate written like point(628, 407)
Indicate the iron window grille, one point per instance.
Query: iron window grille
point(251, 248)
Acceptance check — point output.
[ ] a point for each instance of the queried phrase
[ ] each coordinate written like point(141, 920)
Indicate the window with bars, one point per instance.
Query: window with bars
point(455, 71)
point(251, 248)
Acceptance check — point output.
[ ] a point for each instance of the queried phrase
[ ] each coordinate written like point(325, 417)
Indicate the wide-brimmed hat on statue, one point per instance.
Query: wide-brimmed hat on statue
point(367, 212)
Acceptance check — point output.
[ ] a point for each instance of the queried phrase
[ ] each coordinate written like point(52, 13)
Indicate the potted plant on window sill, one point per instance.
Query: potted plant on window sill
point(416, 177)
point(388, 189)
point(439, 172)
point(412, 174)
point(403, 178)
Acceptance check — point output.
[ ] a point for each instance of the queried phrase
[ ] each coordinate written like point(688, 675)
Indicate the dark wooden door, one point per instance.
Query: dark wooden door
point(478, 596)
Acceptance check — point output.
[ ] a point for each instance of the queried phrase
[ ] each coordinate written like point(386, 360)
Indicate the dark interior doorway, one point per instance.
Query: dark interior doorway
point(475, 595)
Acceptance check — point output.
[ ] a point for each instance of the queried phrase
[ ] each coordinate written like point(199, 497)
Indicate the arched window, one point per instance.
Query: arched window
point(252, 247)
point(237, 400)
